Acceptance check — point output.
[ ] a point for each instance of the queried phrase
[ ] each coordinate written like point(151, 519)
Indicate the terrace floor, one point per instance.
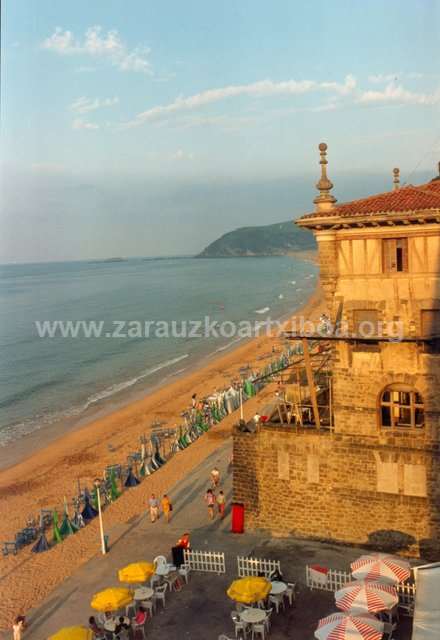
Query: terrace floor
point(202, 609)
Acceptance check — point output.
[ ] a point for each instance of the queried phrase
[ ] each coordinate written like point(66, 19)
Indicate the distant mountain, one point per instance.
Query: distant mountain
point(270, 240)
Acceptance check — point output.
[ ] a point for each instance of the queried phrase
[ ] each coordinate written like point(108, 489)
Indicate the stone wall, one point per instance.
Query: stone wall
point(355, 489)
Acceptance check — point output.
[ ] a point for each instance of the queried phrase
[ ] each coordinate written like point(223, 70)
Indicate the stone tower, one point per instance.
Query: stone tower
point(375, 475)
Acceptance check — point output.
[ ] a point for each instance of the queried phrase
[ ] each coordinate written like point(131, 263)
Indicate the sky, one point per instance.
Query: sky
point(139, 127)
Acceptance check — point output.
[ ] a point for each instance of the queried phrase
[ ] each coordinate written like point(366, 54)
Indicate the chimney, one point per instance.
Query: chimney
point(325, 200)
point(396, 179)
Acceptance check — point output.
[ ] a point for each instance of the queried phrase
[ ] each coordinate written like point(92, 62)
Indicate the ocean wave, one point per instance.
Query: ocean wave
point(263, 310)
point(11, 432)
point(117, 388)
point(225, 346)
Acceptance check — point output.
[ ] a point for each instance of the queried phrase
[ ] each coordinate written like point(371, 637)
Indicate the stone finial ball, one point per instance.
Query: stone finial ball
point(323, 146)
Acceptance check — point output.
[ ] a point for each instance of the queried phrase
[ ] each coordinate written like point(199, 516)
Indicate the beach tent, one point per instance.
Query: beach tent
point(41, 544)
point(426, 621)
point(88, 513)
point(131, 481)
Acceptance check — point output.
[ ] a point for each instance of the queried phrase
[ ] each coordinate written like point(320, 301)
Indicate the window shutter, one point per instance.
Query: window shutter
point(390, 254)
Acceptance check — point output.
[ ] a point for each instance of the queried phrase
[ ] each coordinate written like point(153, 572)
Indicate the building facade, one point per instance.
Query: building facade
point(374, 477)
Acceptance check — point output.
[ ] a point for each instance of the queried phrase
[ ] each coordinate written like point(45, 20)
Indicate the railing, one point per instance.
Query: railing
point(334, 580)
point(206, 561)
point(256, 566)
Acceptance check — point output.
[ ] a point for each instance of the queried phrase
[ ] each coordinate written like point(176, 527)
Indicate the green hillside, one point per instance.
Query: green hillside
point(270, 240)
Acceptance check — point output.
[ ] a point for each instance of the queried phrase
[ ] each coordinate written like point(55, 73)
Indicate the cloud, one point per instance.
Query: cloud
point(259, 89)
point(79, 123)
point(397, 94)
point(99, 44)
point(85, 105)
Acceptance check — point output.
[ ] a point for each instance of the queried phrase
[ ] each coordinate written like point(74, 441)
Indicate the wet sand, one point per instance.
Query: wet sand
point(45, 475)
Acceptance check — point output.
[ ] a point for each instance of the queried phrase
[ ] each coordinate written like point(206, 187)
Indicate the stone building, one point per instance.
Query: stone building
point(372, 475)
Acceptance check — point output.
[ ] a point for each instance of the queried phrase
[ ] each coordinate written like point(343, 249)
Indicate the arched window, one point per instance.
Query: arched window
point(401, 408)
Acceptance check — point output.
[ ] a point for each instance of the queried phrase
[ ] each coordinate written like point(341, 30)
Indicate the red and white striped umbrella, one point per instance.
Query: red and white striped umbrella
point(381, 566)
point(345, 626)
point(365, 595)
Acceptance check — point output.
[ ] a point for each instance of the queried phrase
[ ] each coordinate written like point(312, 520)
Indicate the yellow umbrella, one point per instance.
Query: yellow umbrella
point(112, 599)
point(249, 590)
point(136, 572)
point(73, 633)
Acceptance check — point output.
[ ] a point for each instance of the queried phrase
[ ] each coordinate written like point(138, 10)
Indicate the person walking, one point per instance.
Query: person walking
point(215, 477)
point(221, 503)
point(18, 627)
point(154, 507)
point(210, 500)
point(167, 507)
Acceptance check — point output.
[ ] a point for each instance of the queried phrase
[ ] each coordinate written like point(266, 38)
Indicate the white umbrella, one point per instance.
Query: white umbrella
point(364, 595)
point(346, 626)
point(381, 566)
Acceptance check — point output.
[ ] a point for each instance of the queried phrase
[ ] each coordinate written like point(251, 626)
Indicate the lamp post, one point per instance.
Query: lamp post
point(101, 526)
point(240, 389)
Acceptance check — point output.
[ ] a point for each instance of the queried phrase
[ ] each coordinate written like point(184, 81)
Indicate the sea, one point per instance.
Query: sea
point(47, 379)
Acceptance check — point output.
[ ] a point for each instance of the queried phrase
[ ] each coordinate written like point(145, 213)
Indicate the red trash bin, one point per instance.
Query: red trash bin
point(237, 518)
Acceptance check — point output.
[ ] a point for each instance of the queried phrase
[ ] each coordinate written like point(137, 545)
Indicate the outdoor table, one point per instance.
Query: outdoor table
point(253, 616)
point(278, 588)
point(143, 593)
point(111, 623)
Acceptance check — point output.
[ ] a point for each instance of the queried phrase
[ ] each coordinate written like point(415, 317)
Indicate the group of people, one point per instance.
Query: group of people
point(212, 499)
point(155, 505)
point(123, 624)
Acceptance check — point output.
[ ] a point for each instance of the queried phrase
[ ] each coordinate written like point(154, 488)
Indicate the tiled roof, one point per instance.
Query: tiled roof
point(405, 199)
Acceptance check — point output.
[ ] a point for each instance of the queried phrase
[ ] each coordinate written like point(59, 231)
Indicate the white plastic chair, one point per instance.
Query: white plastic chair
point(290, 592)
point(138, 627)
point(259, 629)
point(239, 625)
point(148, 605)
point(278, 601)
point(267, 621)
point(159, 594)
point(184, 571)
point(160, 562)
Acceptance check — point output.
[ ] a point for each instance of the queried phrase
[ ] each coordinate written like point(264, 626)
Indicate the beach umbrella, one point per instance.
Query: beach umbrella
point(250, 589)
point(136, 572)
point(365, 595)
point(114, 491)
point(112, 599)
point(345, 626)
point(73, 633)
point(41, 544)
point(381, 566)
point(67, 527)
point(131, 481)
point(88, 513)
point(57, 537)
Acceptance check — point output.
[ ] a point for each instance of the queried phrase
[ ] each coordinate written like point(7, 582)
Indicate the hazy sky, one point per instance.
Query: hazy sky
point(139, 127)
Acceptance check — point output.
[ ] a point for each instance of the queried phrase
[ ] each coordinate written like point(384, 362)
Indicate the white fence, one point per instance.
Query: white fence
point(209, 561)
point(256, 566)
point(334, 580)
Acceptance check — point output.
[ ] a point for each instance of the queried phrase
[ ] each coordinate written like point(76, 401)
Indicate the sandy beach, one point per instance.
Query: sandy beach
point(45, 475)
